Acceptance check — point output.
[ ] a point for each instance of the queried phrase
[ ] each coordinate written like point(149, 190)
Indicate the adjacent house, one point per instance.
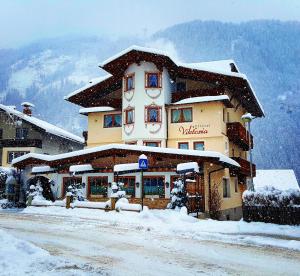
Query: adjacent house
point(22, 133)
point(172, 112)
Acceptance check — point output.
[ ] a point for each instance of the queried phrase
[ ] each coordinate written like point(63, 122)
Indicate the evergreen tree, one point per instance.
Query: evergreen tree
point(178, 195)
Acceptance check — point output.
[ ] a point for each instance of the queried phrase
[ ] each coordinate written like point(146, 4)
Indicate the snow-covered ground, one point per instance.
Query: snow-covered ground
point(154, 242)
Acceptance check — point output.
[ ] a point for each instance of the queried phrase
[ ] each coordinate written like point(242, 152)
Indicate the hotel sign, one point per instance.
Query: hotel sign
point(194, 129)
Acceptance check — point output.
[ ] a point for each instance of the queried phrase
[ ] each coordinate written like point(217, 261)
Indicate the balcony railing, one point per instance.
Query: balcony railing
point(238, 134)
point(21, 143)
point(245, 167)
point(180, 95)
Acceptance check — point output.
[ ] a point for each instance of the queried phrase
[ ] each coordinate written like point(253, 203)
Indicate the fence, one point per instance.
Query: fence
point(278, 215)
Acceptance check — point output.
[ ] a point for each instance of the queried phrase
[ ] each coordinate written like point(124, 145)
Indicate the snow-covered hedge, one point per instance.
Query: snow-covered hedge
point(269, 196)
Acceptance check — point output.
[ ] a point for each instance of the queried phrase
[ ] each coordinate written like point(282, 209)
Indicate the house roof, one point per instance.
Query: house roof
point(205, 99)
point(279, 179)
point(91, 153)
point(47, 127)
point(220, 72)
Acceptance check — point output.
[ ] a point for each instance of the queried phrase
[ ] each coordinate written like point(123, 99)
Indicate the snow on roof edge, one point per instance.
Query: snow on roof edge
point(222, 158)
point(50, 128)
point(202, 99)
point(95, 109)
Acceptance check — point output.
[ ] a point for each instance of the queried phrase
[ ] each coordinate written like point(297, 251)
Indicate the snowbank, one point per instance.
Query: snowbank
point(123, 204)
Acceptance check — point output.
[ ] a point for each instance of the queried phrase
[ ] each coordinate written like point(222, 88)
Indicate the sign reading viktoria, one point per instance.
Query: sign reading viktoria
point(194, 129)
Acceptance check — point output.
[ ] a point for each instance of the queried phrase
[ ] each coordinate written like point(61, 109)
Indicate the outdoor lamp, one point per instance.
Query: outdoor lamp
point(167, 184)
point(137, 184)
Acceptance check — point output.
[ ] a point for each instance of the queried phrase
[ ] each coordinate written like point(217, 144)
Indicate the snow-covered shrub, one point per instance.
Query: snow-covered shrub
point(117, 190)
point(35, 194)
point(178, 195)
point(271, 197)
point(75, 191)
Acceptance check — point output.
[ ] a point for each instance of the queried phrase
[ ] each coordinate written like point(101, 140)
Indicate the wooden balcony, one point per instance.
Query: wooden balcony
point(37, 143)
point(238, 134)
point(180, 95)
point(244, 169)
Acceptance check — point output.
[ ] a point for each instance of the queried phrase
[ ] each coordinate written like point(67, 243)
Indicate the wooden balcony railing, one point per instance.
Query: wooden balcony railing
point(238, 134)
point(245, 167)
point(21, 143)
point(180, 95)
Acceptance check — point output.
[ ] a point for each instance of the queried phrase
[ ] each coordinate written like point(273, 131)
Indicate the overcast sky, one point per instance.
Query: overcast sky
point(25, 21)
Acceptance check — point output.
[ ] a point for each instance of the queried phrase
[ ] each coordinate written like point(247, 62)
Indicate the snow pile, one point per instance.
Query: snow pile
point(123, 204)
point(80, 168)
point(35, 196)
point(193, 166)
point(270, 196)
point(42, 169)
point(126, 167)
point(92, 205)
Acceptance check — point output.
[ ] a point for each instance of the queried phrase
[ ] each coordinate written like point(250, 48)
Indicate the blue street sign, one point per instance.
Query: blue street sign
point(143, 164)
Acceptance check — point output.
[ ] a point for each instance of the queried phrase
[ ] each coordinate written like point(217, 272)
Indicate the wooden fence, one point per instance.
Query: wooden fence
point(278, 215)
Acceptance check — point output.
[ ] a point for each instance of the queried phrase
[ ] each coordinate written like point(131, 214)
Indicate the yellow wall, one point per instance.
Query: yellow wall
point(98, 135)
point(206, 116)
point(8, 149)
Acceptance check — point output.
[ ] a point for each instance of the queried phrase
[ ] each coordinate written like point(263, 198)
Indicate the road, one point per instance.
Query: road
point(111, 248)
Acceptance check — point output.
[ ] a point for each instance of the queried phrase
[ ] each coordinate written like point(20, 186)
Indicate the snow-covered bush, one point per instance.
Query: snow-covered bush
point(178, 195)
point(269, 196)
point(117, 190)
point(75, 190)
point(35, 194)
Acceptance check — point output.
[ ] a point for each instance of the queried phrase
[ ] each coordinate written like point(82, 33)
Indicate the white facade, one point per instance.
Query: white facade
point(138, 99)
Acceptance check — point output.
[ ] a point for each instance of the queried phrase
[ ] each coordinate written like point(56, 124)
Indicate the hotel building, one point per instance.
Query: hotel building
point(173, 113)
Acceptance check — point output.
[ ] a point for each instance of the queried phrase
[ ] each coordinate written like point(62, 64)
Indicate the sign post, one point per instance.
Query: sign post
point(143, 165)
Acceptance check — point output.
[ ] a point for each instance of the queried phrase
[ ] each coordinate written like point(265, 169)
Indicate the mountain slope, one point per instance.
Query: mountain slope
point(267, 51)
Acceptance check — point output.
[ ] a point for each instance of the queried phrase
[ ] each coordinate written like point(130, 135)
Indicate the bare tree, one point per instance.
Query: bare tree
point(215, 202)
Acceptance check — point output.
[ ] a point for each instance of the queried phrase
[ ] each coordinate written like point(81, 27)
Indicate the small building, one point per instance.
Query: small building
point(22, 133)
point(173, 113)
point(279, 179)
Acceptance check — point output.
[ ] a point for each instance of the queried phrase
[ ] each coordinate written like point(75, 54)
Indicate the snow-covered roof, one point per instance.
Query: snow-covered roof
point(81, 168)
point(42, 169)
point(222, 158)
point(188, 166)
point(126, 167)
point(27, 104)
point(42, 124)
point(279, 179)
point(136, 48)
point(203, 99)
point(91, 83)
point(96, 109)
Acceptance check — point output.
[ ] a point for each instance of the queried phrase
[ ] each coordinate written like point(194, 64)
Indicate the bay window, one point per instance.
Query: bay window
point(181, 115)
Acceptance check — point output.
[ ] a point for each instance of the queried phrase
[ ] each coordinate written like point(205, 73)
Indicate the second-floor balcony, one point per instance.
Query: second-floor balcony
point(245, 167)
point(238, 134)
point(37, 143)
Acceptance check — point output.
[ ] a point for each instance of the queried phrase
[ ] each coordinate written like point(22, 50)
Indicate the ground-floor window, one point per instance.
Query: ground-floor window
point(69, 181)
point(226, 187)
point(129, 184)
point(97, 186)
point(154, 185)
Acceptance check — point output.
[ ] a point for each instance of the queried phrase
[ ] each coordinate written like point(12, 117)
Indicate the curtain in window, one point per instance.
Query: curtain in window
point(108, 121)
point(130, 116)
point(153, 115)
point(187, 115)
point(153, 80)
point(175, 116)
point(118, 120)
point(199, 146)
point(129, 83)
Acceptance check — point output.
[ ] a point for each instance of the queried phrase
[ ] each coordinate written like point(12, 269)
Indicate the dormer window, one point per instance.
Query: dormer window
point(152, 80)
point(21, 133)
point(129, 82)
point(153, 114)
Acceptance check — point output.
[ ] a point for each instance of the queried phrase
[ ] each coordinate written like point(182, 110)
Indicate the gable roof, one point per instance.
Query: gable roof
point(279, 179)
point(47, 127)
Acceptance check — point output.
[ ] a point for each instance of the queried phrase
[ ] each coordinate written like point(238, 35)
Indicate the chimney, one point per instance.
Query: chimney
point(233, 68)
point(27, 108)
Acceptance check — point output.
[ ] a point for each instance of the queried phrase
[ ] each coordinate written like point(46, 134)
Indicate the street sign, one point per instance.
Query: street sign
point(143, 164)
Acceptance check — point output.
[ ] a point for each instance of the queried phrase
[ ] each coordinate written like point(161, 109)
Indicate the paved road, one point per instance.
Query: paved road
point(114, 249)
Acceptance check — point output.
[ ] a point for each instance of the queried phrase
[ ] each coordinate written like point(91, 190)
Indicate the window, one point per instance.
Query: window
point(224, 115)
point(112, 120)
point(129, 116)
point(129, 82)
point(181, 86)
point(97, 186)
point(236, 182)
point(128, 184)
point(69, 181)
point(154, 186)
point(198, 145)
point(152, 144)
point(14, 154)
point(226, 188)
point(1, 133)
point(21, 133)
point(153, 114)
point(153, 80)
point(183, 145)
point(181, 115)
